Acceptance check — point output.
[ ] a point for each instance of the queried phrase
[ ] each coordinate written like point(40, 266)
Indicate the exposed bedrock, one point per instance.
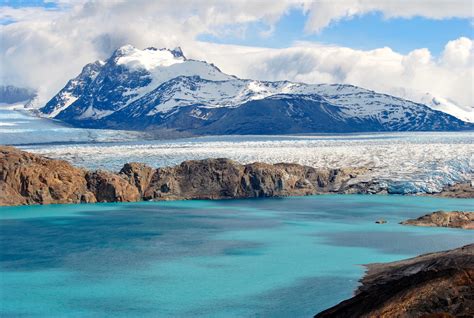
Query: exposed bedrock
point(224, 178)
point(110, 187)
point(27, 178)
point(459, 190)
point(455, 219)
point(431, 285)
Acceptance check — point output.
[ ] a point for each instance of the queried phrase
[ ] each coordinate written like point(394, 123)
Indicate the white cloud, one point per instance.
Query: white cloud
point(324, 12)
point(450, 76)
point(45, 48)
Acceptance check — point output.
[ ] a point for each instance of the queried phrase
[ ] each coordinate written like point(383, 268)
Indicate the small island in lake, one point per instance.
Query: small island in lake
point(455, 219)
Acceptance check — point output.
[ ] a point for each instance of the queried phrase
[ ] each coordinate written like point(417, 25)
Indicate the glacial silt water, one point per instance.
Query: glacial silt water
point(290, 257)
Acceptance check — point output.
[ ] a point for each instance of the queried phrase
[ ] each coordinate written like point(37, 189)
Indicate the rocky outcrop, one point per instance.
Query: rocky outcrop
point(224, 178)
point(27, 178)
point(456, 219)
point(137, 174)
point(109, 187)
point(432, 285)
point(463, 190)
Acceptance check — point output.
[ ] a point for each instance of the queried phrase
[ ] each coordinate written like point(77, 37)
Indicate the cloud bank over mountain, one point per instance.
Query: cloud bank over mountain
point(43, 47)
point(323, 13)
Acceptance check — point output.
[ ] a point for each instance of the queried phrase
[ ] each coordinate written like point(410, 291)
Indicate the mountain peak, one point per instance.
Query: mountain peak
point(123, 50)
point(159, 87)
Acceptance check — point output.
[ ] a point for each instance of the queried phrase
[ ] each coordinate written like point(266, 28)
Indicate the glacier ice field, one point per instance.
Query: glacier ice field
point(404, 162)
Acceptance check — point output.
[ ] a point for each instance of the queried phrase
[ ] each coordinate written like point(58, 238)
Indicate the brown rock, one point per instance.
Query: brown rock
point(456, 219)
point(138, 174)
point(224, 179)
point(460, 190)
point(432, 285)
point(196, 179)
point(27, 178)
point(109, 187)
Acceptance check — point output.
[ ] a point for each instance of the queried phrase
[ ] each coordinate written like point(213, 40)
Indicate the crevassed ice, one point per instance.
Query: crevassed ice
point(406, 162)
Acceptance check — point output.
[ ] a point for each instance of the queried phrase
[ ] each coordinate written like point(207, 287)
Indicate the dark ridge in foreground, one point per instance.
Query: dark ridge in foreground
point(455, 219)
point(27, 178)
point(431, 285)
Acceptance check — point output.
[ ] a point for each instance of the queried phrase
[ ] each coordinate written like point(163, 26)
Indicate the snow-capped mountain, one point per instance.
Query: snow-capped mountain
point(437, 103)
point(162, 89)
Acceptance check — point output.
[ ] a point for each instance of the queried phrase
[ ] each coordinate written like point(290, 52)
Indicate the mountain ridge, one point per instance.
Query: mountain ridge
point(162, 89)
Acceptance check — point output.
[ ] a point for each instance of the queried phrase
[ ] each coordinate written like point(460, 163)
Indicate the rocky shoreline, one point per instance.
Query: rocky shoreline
point(459, 190)
point(431, 285)
point(453, 219)
point(27, 178)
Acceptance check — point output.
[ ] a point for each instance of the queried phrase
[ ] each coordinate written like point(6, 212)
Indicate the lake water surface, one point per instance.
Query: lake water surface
point(290, 257)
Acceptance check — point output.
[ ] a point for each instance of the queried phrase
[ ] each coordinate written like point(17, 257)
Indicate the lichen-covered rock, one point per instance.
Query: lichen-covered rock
point(431, 285)
point(456, 219)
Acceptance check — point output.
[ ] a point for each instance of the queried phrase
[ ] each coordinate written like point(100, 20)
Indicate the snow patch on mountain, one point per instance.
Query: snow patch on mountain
point(93, 113)
point(67, 99)
point(465, 113)
point(162, 66)
point(154, 84)
point(353, 101)
point(447, 106)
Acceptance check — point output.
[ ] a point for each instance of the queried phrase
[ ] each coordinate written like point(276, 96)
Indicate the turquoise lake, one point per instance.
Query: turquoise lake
point(288, 257)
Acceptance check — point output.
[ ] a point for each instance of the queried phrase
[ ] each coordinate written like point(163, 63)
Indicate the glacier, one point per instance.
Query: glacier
point(156, 86)
point(402, 162)
point(19, 126)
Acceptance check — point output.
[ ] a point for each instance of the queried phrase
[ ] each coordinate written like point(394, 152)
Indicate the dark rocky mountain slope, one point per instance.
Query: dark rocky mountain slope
point(158, 89)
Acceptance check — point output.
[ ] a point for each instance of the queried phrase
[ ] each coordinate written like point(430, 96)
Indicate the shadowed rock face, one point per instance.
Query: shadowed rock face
point(27, 178)
point(109, 187)
point(456, 219)
point(432, 285)
point(224, 178)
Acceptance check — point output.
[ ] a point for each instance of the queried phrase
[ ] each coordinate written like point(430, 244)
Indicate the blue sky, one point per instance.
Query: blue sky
point(28, 3)
point(369, 31)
